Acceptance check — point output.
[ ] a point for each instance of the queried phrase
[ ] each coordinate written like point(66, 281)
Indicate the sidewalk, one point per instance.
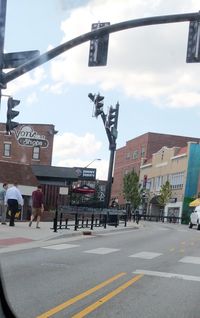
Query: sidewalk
point(22, 236)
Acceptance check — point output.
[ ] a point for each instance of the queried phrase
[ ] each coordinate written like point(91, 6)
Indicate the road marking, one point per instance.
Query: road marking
point(73, 300)
point(167, 275)
point(107, 297)
point(117, 232)
point(146, 255)
point(102, 250)
point(190, 259)
point(60, 246)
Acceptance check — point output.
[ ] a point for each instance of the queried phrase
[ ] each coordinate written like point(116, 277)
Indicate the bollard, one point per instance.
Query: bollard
point(55, 222)
point(61, 215)
point(76, 222)
point(92, 221)
point(125, 220)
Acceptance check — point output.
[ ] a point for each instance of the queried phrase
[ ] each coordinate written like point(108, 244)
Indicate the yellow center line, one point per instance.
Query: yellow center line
point(73, 300)
point(104, 299)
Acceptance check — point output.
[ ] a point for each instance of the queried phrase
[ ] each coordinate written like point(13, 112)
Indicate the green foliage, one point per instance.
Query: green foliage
point(165, 194)
point(131, 189)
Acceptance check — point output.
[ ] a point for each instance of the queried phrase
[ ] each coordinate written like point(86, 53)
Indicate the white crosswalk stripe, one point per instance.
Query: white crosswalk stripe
point(146, 255)
point(102, 250)
point(190, 259)
point(60, 246)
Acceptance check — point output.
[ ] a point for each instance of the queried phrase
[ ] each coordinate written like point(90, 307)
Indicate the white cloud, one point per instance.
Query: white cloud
point(146, 63)
point(32, 98)
point(27, 80)
point(67, 150)
point(70, 144)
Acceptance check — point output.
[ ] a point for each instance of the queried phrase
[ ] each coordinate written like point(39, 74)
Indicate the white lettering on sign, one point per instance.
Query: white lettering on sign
point(27, 137)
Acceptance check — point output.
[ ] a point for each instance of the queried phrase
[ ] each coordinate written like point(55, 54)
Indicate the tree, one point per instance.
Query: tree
point(131, 189)
point(165, 194)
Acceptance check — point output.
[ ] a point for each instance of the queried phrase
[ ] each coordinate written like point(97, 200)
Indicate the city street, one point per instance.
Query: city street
point(150, 271)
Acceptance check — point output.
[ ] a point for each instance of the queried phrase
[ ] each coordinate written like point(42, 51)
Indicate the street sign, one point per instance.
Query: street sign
point(193, 48)
point(98, 47)
point(15, 59)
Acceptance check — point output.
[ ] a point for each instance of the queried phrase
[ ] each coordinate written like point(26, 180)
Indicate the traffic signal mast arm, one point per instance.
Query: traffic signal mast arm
point(49, 55)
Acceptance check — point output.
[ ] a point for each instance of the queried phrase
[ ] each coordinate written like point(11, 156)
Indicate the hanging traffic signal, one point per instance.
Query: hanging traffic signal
point(10, 125)
point(99, 47)
point(98, 105)
point(193, 47)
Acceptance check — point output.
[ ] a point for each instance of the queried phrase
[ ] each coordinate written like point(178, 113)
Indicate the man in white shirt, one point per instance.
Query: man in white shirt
point(13, 199)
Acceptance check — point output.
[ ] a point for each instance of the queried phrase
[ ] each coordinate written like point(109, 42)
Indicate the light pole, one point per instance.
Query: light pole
point(97, 159)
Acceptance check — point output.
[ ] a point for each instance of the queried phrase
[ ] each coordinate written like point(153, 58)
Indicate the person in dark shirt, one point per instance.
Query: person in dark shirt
point(37, 206)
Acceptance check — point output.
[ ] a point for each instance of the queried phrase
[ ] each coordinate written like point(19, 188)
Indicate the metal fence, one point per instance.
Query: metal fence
point(76, 217)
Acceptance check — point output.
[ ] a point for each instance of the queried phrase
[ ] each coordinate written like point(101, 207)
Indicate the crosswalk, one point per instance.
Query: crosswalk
point(145, 255)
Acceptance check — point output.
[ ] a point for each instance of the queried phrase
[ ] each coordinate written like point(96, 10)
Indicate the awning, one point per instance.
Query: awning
point(196, 202)
point(83, 190)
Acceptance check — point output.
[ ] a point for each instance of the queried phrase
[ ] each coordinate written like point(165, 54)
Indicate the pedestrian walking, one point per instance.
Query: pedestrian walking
point(37, 206)
point(13, 199)
point(3, 207)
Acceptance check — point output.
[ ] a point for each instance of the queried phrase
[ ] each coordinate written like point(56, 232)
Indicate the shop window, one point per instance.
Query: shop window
point(7, 149)
point(36, 153)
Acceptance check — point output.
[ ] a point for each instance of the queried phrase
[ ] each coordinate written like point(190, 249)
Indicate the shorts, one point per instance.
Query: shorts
point(36, 212)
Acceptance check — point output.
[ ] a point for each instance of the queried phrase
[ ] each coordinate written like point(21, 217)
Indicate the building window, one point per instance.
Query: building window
point(176, 180)
point(135, 154)
point(36, 153)
point(143, 152)
point(7, 149)
point(128, 155)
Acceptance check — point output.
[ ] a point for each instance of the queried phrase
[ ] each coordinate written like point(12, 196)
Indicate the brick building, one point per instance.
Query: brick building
point(136, 152)
point(28, 144)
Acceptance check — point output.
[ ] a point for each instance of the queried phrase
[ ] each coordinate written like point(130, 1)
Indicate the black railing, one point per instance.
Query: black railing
point(159, 218)
point(76, 217)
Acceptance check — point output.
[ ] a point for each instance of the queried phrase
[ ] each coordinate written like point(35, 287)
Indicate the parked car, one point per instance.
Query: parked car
point(195, 218)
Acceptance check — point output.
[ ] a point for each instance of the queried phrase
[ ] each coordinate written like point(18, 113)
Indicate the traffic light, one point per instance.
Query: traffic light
point(112, 117)
point(98, 105)
point(10, 125)
point(91, 96)
point(193, 48)
point(99, 47)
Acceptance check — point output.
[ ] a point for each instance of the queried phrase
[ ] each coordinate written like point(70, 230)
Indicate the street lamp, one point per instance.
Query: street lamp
point(92, 162)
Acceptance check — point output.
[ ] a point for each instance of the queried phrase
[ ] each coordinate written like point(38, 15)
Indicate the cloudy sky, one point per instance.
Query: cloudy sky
point(146, 72)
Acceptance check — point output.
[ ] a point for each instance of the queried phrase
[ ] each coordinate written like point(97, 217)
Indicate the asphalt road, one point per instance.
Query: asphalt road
point(150, 272)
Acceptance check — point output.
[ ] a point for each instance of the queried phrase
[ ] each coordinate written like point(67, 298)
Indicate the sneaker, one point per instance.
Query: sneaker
point(30, 223)
point(4, 223)
point(37, 227)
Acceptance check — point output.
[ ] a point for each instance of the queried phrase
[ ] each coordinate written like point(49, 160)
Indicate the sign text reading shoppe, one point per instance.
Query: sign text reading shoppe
point(27, 137)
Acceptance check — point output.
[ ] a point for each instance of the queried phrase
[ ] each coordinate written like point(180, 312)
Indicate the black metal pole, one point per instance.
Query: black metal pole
point(109, 180)
point(3, 4)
